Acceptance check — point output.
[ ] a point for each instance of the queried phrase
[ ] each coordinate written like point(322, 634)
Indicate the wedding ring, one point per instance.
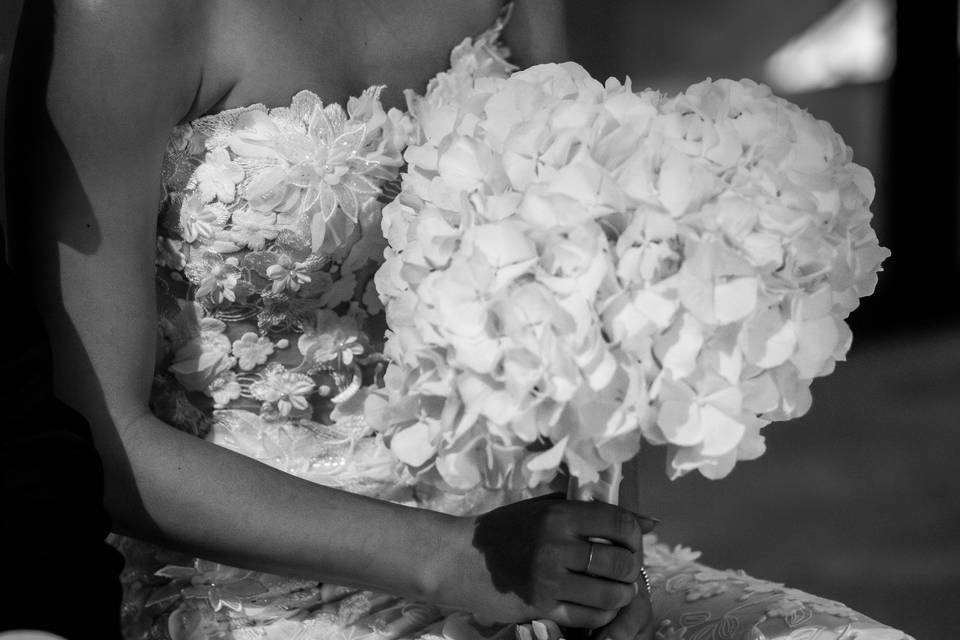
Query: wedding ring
point(589, 559)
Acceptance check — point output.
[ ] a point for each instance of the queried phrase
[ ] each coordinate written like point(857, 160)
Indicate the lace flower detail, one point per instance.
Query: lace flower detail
point(330, 338)
point(217, 177)
point(793, 611)
point(170, 254)
point(218, 278)
point(252, 350)
point(287, 274)
point(251, 228)
point(667, 631)
point(224, 389)
point(795, 601)
point(325, 169)
point(707, 583)
point(197, 220)
point(205, 354)
point(284, 390)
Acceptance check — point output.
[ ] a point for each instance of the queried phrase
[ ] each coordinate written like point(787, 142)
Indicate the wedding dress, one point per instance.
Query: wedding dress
point(270, 332)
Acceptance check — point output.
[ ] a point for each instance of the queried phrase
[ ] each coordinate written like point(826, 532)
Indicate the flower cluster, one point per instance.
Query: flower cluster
point(271, 227)
point(574, 267)
point(254, 367)
point(262, 204)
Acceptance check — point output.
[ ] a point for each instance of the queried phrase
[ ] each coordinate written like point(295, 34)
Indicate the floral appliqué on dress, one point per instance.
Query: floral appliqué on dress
point(268, 239)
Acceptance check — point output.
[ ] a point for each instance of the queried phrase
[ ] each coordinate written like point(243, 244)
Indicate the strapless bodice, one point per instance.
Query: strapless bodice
point(269, 234)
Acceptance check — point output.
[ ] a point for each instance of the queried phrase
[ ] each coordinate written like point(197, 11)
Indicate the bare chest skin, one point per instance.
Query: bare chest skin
point(265, 51)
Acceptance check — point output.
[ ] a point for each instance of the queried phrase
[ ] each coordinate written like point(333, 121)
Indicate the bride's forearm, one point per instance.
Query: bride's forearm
point(206, 500)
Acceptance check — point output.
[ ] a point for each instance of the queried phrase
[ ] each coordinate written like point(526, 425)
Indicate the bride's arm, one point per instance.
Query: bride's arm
point(86, 189)
point(91, 197)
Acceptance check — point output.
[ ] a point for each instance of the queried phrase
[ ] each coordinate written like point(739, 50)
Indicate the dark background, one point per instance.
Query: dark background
point(860, 499)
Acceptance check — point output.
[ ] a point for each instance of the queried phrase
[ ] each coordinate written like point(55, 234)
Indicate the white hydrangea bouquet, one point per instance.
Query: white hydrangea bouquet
point(574, 268)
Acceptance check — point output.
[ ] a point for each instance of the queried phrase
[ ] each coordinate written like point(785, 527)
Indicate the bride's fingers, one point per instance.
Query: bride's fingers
point(543, 629)
point(595, 592)
point(603, 561)
point(568, 614)
point(633, 622)
point(546, 630)
point(616, 524)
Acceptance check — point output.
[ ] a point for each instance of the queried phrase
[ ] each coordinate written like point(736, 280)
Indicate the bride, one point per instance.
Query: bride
point(214, 320)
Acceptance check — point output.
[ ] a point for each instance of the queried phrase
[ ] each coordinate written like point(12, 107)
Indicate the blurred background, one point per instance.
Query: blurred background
point(859, 500)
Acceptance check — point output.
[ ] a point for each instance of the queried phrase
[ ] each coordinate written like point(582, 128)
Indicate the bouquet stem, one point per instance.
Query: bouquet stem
point(605, 489)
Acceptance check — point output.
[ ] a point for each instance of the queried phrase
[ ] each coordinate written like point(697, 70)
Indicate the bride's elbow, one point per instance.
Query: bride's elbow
point(130, 472)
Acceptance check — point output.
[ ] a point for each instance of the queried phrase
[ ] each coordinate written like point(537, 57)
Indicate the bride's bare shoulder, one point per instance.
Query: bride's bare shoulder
point(158, 24)
point(128, 53)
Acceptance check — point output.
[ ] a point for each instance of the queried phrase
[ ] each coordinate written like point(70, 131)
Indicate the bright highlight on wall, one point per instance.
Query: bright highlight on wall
point(854, 43)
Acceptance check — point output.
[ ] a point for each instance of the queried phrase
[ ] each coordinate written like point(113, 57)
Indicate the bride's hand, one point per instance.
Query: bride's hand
point(534, 559)
point(633, 622)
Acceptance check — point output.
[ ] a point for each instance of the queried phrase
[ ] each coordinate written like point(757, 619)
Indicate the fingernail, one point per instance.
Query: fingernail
point(540, 630)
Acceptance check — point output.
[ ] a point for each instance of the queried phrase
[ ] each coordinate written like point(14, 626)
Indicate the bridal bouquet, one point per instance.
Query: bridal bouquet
point(574, 268)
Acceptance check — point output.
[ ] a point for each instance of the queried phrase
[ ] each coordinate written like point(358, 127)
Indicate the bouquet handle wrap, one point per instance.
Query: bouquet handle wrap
point(605, 489)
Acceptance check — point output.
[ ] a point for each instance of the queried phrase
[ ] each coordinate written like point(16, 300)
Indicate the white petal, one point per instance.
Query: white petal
point(718, 468)
point(412, 445)
point(680, 423)
point(682, 345)
point(676, 184)
point(767, 339)
point(655, 307)
point(460, 470)
point(735, 299)
point(817, 342)
point(760, 394)
point(765, 249)
point(549, 459)
point(721, 432)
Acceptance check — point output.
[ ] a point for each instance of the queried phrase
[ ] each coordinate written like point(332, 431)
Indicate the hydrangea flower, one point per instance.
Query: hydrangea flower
point(576, 266)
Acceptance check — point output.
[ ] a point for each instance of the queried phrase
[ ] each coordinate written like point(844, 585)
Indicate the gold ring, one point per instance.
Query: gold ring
point(589, 560)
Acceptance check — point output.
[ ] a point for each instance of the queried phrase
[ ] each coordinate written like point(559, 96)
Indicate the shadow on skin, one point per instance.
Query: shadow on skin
point(41, 182)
